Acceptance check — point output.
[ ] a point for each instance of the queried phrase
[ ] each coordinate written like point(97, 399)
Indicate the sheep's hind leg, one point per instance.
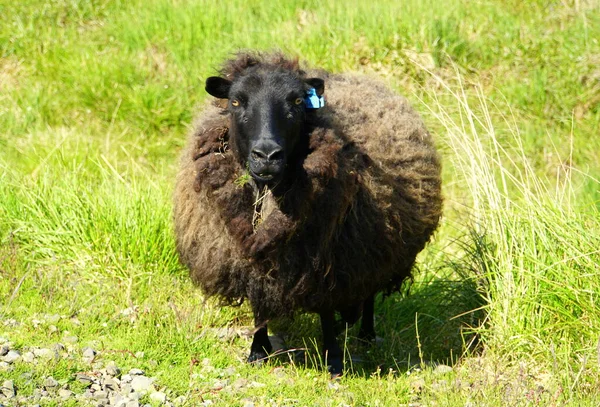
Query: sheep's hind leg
point(367, 325)
point(333, 353)
point(261, 346)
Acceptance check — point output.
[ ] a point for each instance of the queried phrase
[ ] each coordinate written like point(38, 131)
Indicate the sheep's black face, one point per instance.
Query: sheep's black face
point(267, 118)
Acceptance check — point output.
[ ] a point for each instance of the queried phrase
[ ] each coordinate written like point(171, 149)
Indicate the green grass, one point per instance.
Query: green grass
point(96, 98)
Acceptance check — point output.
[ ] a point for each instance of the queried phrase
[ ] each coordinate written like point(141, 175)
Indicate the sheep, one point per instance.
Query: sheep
point(299, 208)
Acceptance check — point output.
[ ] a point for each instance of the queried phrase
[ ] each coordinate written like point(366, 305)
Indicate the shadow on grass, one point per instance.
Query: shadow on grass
point(433, 324)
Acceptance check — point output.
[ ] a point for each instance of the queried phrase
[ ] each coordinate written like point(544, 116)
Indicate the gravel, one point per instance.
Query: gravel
point(103, 385)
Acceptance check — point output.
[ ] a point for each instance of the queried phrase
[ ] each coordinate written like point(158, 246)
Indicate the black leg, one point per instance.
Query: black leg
point(261, 346)
point(333, 353)
point(367, 326)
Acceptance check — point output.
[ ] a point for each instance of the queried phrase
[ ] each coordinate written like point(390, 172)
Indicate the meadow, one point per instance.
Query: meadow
point(96, 99)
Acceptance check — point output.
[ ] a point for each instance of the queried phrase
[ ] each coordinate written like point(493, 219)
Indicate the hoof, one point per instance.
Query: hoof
point(335, 367)
point(257, 357)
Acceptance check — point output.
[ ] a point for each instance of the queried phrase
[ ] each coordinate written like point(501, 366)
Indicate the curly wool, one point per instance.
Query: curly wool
point(363, 202)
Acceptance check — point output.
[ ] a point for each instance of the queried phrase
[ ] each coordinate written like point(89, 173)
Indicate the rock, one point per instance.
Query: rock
point(240, 383)
point(8, 389)
point(88, 354)
point(111, 384)
point(102, 402)
point(133, 403)
point(220, 384)
point(136, 372)
point(4, 350)
point(179, 400)
point(44, 353)
point(83, 378)
point(28, 357)
point(70, 339)
point(113, 370)
point(12, 356)
point(417, 385)
point(65, 394)
point(116, 399)
point(142, 383)
point(126, 378)
point(158, 396)
point(4, 366)
point(50, 383)
point(442, 369)
point(100, 394)
point(58, 347)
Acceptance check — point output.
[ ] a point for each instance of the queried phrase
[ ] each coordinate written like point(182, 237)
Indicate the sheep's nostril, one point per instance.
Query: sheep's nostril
point(257, 154)
point(276, 155)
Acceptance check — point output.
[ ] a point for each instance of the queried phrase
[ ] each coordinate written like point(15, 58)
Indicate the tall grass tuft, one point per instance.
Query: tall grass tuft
point(536, 251)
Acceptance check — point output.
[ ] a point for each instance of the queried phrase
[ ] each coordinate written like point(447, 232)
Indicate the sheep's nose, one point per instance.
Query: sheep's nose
point(267, 154)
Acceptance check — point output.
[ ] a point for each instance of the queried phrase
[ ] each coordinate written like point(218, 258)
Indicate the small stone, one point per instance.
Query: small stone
point(132, 403)
point(53, 319)
point(126, 389)
point(52, 329)
point(116, 398)
point(8, 389)
point(417, 385)
point(111, 384)
point(4, 350)
point(96, 387)
point(65, 394)
point(89, 354)
point(83, 378)
point(12, 356)
point(100, 394)
point(134, 395)
point(70, 339)
point(136, 372)
point(126, 378)
point(442, 369)
point(240, 383)
point(44, 353)
point(4, 366)
point(28, 357)
point(50, 383)
point(102, 402)
point(139, 354)
point(58, 347)
point(113, 370)
point(220, 384)
point(179, 400)
point(142, 383)
point(248, 404)
point(158, 396)
point(3, 340)
point(229, 371)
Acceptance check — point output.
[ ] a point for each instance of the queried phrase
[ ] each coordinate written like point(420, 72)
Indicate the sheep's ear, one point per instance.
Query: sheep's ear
point(218, 87)
point(318, 84)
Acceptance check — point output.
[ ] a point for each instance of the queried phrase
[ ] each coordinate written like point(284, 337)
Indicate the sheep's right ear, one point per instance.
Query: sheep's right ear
point(218, 87)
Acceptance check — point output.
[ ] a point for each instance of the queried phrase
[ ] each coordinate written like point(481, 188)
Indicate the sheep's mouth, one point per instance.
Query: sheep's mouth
point(263, 177)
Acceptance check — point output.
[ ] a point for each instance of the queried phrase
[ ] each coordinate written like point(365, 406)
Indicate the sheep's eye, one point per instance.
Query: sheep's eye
point(235, 103)
point(298, 101)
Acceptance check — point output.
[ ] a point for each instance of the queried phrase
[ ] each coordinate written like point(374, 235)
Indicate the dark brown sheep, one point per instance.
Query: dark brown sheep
point(296, 208)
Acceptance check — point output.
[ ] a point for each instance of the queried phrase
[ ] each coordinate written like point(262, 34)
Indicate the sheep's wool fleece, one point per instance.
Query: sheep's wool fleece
point(366, 204)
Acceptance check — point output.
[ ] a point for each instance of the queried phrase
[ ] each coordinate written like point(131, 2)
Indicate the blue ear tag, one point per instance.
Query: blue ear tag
point(312, 100)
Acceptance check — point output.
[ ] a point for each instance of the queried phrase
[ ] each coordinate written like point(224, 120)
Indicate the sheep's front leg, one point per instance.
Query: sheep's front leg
point(367, 326)
point(333, 353)
point(261, 346)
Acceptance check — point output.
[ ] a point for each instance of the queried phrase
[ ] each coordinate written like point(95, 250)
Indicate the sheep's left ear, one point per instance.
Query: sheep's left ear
point(218, 87)
point(318, 84)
